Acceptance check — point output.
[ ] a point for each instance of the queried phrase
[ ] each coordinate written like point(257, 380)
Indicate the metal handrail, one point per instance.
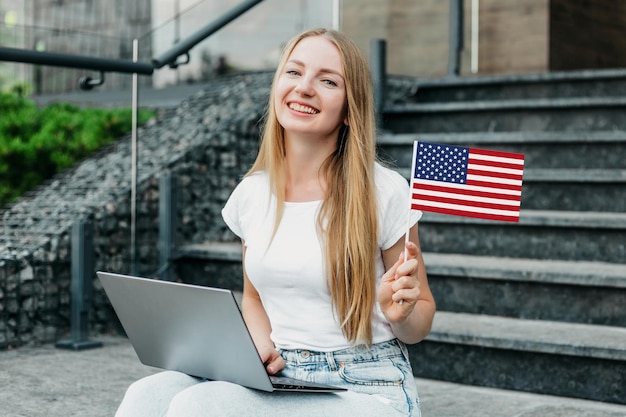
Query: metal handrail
point(75, 61)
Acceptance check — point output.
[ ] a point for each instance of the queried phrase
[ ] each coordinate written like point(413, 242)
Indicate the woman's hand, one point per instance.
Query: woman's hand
point(274, 363)
point(399, 289)
point(404, 295)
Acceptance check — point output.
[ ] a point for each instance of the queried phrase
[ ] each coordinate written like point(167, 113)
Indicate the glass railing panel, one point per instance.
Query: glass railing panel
point(251, 42)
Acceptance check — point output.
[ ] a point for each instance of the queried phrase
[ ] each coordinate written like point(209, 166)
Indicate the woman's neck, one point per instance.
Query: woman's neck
point(305, 157)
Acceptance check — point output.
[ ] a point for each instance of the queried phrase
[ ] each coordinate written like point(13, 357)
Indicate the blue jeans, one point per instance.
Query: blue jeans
point(382, 370)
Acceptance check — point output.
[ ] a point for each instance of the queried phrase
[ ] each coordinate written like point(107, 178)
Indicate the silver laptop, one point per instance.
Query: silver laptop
point(193, 329)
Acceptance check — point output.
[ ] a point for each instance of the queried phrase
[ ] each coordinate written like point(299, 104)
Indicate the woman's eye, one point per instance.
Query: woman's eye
point(292, 72)
point(330, 82)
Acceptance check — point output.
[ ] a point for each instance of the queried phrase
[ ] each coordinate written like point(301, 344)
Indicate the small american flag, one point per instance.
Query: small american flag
point(465, 181)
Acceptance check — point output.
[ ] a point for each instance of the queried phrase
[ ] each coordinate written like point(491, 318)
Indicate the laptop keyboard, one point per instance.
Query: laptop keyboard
point(286, 383)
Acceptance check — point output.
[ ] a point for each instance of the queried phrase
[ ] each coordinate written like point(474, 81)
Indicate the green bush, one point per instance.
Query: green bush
point(36, 143)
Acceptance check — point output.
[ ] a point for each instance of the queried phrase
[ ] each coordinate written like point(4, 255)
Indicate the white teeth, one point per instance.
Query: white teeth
point(302, 109)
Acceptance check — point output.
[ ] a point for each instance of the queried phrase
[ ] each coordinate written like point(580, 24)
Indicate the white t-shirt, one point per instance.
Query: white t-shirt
point(290, 276)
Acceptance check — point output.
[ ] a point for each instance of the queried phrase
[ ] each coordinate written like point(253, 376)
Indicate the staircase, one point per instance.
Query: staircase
point(536, 306)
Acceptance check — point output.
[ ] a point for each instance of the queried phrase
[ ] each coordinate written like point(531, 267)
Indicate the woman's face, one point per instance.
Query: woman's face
point(310, 93)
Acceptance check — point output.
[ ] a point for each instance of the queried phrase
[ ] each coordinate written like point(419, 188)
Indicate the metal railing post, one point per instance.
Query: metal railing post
point(456, 37)
point(134, 268)
point(167, 225)
point(81, 288)
point(475, 37)
point(378, 68)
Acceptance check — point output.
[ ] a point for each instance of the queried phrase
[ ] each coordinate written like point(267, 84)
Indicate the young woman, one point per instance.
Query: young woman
point(332, 292)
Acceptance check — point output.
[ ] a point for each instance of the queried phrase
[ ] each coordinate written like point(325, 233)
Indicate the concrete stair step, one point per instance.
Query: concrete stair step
point(565, 189)
point(554, 218)
point(510, 104)
point(562, 114)
point(216, 264)
point(540, 234)
point(595, 190)
point(565, 291)
point(452, 264)
point(541, 356)
point(529, 288)
point(577, 360)
point(448, 399)
point(56, 372)
point(553, 84)
point(573, 175)
point(578, 273)
point(505, 137)
point(514, 287)
point(564, 175)
point(541, 336)
point(574, 150)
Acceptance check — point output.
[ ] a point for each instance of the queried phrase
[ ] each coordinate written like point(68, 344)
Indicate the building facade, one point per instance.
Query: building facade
point(499, 37)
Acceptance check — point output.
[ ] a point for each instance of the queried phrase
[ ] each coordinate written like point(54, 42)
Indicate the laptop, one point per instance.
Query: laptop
point(193, 329)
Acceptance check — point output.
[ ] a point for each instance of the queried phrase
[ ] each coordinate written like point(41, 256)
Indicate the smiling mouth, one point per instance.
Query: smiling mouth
point(303, 109)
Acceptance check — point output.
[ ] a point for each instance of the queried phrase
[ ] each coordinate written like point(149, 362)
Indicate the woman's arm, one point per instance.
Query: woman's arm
point(258, 323)
point(404, 295)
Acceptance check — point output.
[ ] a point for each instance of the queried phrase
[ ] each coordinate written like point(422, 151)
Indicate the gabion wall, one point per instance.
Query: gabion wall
point(207, 142)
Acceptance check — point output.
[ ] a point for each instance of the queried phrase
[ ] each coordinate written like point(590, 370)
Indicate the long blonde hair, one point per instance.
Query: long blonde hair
point(347, 218)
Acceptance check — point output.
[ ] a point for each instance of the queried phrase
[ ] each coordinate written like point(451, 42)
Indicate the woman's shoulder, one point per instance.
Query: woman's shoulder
point(252, 188)
point(256, 181)
point(388, 180)
point(256, 178)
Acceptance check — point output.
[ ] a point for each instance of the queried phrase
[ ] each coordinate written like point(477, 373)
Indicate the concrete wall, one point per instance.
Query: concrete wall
point(514, 37)
point(587, 34)
point(416, 32)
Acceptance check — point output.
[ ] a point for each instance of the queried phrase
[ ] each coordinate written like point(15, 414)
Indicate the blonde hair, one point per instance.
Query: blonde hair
point(347, 219)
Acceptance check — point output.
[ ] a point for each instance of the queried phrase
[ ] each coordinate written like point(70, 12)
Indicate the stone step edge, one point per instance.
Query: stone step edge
point(581, 273)
point(501, 105)
point(595, 274)
point(540, 77)
point(542, 218)
point(540, 336)
point(503, 138)
point(565, 175)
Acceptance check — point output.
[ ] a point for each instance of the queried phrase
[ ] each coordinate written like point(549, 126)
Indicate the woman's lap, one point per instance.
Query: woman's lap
point(379, 379)
point(174, 394)
point(151, 396)
point(224, 399)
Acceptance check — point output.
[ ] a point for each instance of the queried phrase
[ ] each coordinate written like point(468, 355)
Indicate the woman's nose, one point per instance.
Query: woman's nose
point(305, 86)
